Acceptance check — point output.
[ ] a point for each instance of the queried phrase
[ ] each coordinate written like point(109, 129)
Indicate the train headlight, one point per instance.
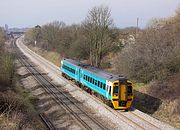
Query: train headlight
point(61, 62)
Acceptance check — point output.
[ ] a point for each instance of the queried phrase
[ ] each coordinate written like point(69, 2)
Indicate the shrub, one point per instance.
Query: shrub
point(155, 56)
point(6, 61)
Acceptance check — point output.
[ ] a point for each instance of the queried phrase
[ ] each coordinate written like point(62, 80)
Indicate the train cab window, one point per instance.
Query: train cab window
point(129, 90)
point(116, 89)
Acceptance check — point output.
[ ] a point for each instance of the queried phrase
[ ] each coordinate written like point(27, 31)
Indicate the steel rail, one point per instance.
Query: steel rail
point(41, 79)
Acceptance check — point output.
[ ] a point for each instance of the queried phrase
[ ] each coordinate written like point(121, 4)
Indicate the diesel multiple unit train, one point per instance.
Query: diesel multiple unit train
point(114, 89)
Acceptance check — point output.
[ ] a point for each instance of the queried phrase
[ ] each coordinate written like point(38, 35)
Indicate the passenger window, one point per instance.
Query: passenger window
point(100, 85)
point(104, 86)
point(95, 82)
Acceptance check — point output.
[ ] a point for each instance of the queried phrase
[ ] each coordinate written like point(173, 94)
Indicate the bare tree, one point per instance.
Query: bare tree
point(97, 30)
point(52, 34)
point(156, 54)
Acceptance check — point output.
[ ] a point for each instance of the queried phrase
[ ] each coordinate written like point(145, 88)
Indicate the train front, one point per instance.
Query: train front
point(122, 94)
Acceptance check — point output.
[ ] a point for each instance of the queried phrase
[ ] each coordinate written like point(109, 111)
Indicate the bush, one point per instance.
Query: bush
point(154, 56)
point(6, 61)
point(13, 106)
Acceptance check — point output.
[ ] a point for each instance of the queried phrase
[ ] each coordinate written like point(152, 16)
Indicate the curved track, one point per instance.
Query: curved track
point(131, 118)
point(85, 119)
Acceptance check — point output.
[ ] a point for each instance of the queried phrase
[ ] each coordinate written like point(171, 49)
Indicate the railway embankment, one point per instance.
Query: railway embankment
point(163, 104)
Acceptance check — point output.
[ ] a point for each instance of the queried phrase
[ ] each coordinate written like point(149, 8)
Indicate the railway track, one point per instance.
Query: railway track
point(86, 120)
point(131, 118)
point(47, 122)
point(135, 121)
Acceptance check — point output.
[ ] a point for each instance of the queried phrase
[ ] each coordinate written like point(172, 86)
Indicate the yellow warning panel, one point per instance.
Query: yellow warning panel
point(123, 92)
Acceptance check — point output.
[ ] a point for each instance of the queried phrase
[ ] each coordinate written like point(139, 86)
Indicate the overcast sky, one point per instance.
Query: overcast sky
point(28, 13)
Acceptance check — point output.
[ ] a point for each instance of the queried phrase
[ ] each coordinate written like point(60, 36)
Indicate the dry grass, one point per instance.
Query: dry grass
point(13, 121)
point(169, 112)
point(169, 92)
point(7, 68)
point(17, 112)
point(53, 57)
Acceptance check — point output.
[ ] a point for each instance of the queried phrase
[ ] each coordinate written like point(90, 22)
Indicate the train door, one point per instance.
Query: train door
point(108, 89)
point(123, 92)
point(115, 94)
point(77, 74)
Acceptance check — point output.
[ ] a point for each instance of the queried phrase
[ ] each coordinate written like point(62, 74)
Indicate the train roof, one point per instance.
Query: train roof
point(96, 71)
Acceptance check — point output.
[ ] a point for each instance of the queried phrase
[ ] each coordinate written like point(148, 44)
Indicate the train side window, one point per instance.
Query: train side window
point(104, 86)
point(84, 76)
point(95, 82)
point(98, 83)
point(90, 79)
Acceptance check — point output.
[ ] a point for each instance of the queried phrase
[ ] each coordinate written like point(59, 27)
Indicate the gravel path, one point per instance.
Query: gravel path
point(122, 120)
